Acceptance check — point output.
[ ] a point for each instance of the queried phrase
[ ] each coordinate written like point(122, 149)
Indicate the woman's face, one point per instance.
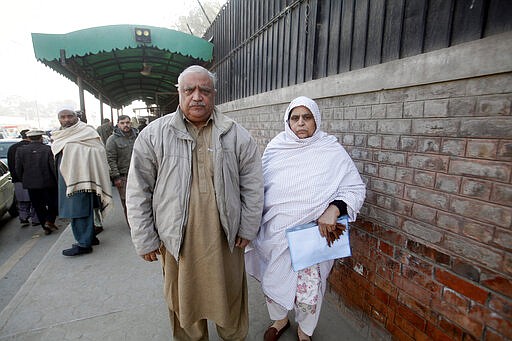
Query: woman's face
point(302, 122)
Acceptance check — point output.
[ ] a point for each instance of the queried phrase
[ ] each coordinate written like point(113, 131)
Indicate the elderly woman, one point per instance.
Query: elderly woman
point(308, 177)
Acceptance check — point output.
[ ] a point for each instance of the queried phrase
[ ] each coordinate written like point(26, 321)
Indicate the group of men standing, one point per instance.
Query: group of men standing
point(32, 168)
point(195, 197)
point(72, 178)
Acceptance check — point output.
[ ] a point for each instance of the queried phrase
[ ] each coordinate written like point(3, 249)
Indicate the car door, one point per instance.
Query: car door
point(6, 188)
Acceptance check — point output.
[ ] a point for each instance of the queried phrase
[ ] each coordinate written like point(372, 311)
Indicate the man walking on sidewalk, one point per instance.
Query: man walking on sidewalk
point(195, 193)
point(25, 208)
point(119, 152)
point(36, 168)
point(83, 181)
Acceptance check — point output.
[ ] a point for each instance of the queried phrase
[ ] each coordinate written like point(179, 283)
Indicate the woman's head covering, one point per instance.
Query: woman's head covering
point(288, 158)
point(302, 101)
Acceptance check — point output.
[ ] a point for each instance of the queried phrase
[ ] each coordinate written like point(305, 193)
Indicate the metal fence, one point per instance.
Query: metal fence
point(261, 45)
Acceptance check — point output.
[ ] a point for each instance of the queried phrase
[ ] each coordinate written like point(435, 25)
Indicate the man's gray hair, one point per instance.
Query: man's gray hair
point(198, 69)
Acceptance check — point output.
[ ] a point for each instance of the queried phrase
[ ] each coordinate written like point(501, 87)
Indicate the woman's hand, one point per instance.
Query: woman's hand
point(327, 221)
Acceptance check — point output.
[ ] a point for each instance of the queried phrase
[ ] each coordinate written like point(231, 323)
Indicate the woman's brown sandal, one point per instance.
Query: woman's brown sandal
point(272, 334)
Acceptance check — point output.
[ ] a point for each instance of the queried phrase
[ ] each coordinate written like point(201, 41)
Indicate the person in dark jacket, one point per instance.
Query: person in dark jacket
point(142, 124)
point(35, 166)
point(105, 130)
point(119, 152)
point(25, 208)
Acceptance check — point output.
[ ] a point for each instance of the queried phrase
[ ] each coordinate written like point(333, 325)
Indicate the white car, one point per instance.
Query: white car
point(7, 199)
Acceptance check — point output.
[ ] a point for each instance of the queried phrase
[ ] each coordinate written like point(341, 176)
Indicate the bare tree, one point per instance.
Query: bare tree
point(201, 15)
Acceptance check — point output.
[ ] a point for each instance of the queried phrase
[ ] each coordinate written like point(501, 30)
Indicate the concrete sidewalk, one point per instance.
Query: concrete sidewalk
point(112, 294)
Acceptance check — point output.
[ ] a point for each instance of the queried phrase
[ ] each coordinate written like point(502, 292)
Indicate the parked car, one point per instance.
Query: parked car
point(4, 147)
point(7, 198)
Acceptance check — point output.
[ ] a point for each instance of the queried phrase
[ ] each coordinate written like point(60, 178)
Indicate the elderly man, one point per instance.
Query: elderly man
point(119, 152)
point(195, 194)
point(36, 168)
point(25, 208)
point(83, 181)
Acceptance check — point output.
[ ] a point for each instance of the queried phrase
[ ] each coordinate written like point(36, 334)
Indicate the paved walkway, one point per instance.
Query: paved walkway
point(112, 294)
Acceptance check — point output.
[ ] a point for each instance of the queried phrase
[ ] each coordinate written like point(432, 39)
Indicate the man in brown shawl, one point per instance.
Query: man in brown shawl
point(195, 197)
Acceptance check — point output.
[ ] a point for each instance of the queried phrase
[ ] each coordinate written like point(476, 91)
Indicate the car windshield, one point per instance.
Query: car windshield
point(4, 147)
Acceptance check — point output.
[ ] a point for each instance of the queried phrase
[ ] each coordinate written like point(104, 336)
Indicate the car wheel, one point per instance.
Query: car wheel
point(13, 210)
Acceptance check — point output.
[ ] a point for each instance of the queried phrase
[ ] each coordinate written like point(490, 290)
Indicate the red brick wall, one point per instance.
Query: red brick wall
point(432, 248)
point(432, 137)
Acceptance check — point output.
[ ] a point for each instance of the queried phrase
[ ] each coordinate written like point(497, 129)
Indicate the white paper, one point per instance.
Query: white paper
point(308, 247)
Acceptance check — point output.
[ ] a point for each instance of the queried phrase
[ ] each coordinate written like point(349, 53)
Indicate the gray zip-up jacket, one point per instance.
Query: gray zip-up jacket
point(119, 152)
point(159, 180)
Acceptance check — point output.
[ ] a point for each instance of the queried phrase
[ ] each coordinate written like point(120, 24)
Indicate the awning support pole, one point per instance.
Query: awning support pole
point(101, 108)
point(82, 100)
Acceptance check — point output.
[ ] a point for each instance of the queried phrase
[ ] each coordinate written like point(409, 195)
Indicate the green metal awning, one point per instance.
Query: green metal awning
point(122, 63)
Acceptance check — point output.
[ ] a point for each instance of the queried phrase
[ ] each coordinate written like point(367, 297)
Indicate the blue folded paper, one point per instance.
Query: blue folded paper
point(308, 247)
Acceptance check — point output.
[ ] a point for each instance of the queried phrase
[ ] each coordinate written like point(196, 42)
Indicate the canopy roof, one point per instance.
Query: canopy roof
point(108, 61)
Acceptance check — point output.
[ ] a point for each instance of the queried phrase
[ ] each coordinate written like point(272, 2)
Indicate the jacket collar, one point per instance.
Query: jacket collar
point(119, 132)
point(220, 121)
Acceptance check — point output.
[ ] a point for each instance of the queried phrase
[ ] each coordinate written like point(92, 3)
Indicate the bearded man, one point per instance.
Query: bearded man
point(83, 180)
point(119, 152)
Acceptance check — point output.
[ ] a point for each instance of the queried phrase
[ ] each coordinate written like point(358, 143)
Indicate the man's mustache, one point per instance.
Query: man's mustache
point(197, 104)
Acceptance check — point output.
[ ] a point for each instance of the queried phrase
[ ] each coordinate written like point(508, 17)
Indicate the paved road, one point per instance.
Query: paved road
point(112, 294)
point(21, 250)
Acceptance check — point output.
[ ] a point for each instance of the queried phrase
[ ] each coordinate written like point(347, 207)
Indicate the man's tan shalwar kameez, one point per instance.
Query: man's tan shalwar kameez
point(208, 281)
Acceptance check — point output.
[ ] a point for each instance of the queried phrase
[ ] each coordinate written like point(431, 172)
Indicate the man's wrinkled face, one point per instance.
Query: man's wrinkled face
point(67, 118)
point(197, 97)
point(125, 125)
point(302, 122)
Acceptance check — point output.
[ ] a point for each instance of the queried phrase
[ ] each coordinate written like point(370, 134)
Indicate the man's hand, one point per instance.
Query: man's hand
point(241, 242)
point(152, 256)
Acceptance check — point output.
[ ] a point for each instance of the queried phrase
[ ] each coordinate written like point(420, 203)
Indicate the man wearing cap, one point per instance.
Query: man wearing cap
point(25, 208)
point(36, 168)
point(82, 176)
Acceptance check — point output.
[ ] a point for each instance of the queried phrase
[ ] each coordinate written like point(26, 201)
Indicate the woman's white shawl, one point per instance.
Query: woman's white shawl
point(302, 177)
